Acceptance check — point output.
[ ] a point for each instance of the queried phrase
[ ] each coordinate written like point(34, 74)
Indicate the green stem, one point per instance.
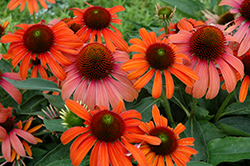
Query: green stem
point(195, 101)
point(34, 18)
point(166, 105)
point(224, 104)
point(166, 28)
point(182, 106)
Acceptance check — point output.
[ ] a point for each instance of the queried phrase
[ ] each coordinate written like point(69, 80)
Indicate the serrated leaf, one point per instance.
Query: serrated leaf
point(210, 131)
point(32, 102)
point(202, 114)
point(54, 125)
point(56, 101)
point(35, 84)
point(238, 108)
point(235, 126)
point(193, 129)
point(58, 153)
point(145, 107)
point(229, 149)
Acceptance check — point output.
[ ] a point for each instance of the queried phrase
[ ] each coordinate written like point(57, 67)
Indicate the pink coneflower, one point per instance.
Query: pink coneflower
point(9, 136)
point(208, 51)
point(96, 21)
point(8, 87)
point(242, 35)
point(95, 77)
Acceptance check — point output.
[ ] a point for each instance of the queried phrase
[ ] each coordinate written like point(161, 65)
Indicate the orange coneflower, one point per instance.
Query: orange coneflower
point(32, 4)
point(171, 145)
point(241, 8)
point(156, 57)
point(10, 88)
point(10, 136)
point(208, 51)
point(109, 133)
point(44, 43)
point(95, 77)
point(95, 21)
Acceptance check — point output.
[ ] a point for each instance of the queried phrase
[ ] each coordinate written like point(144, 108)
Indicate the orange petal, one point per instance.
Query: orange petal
point(137, 73)
point(244, 89)
point(71, 133)
point(103, 156)
point(137, 153)
point(145, 36)
point(169, 84)
point(131, 114)
point(115, 9)
point(141, 82)
point(179, 128)
point(134, 64)
point(157, 85)
point(93, 159)
point(156, 115)
point(78, 109)
point(183, 77)
point(82, 150)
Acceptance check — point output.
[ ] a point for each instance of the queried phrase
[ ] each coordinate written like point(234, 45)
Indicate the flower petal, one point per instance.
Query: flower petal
point(71, 133)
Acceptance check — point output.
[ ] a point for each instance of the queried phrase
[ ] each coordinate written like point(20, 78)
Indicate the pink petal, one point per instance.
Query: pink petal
point(200, 86)
point(6, 149)
point(228, 75)
point(91, 95)
point(80, 94)
point(69, 86)
point(214, 81)
point(232, 3)
point(16, 144)
point(3, 132)
point(245, 44)
point(235, 62)
point(241, 32)
point(13, 92)
point(102, 96)
point(25, 135)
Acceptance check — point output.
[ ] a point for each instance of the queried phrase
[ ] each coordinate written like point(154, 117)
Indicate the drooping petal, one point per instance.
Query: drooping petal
point(78, 109)
point(141, 82)
point(214, 81)
point(13, 92)
point(16, 144)
point(169, 84)
point(244, 89)
point(157, 85)
point(71, 133)
point(103, 156)
point(6, 148)
point(25, 135)
point(137, 153)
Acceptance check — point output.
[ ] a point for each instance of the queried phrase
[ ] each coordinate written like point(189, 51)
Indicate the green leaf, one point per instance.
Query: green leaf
point(202, 114)
point(58, 153)
point(32, 102)
point(67, 162)
point(229, 149)
point(188, 8)
point(145, 107)
point(193, 129)
point(36, 84)
point(235, 126)
point(54, 125)
point(238, 108)
point(210, 131)
point(55, 100)
point(195, 163)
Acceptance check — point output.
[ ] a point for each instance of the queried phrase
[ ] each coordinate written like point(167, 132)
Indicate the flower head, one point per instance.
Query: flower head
point(164, 13)
point(10, 137)
point(8, 87)
point(171, 145)
point(95, 77)
point(32, 5)
point(95, 21)
point(156, 57)
point(109, 132)
point(207, 49)
point(41, 42)
point(240, 7)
